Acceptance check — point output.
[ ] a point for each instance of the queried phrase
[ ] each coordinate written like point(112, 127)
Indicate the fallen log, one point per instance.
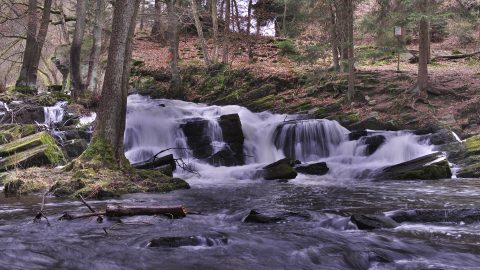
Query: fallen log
point(121, 211)
point(455, 56)
point(156, 162)
point(68, 216)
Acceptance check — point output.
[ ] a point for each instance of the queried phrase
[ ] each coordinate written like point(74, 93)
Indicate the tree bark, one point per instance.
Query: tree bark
point(113, 100)
point(423, 50)
point(226, 33)
point(284, 19)
point(215, 31)
point(237, 16)
point(34, 44)
point(92, 78)
point(174, 40)
point(76, 49)
point(351, 56)
point(334, 37)
point(249, 27)
point(198, 25)
point(142, 16)
point(157, 32)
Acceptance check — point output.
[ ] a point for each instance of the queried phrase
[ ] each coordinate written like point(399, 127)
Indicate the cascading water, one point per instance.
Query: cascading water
point(156, 125)
point(54, 114)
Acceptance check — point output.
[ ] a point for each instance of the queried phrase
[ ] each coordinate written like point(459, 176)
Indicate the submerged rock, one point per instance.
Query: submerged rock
point(282, 169)
point(372, 222)
point(256, 217)
point(430, 167)
point(183, 241)
point(319, 168)
point(373, 143)
point(224, 157)
point(437, 215)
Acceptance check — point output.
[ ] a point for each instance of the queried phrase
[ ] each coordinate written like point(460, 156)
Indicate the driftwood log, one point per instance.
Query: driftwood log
point(156, 162)
point(455, 56)
point(121, 211)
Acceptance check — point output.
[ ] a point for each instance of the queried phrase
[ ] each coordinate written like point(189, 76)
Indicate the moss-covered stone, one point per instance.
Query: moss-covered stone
point(471, 171)
point(429, 167)
point(53, 153)
point(11, 132)
point(25, 90)
point(472, 145)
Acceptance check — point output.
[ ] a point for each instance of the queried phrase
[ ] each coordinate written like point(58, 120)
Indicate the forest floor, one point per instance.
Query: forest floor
point(281, 79)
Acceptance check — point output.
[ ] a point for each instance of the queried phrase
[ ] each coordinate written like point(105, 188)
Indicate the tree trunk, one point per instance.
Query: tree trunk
point(284, 19)
point(34, 44)
point(215, 31)
point(334, 38)
point(76, 50)
point(174, 40)
point(198, 25)
point(142, 15)
point(226, 33)
point(157, 33)
point(237, 16)
point(249, 27)
point(96, 46)
point(351, 56)
point(343, 17)
point(108, 136)
point(423, 51)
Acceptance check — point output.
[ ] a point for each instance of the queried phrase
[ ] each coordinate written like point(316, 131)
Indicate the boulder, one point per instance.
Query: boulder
point(11, 132)
point(319, 168)
point(275, 216)
point(280, 170)
point(429, 167)
point(468, 215)
point(256, 217)
point(373, 124)
point(74, 148)
point(372, 222)
point(373, 143)
point(355, 135)
point(233, 136)
point(442, 136)
point(197, 139)
point(467, 156)
point(225, 157)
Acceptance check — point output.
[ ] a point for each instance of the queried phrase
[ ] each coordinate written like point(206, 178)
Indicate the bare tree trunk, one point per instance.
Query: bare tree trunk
point(156, 33)
point(334, 37)
point(142, 15)
point(423, 51)
point(76, 50)
point(108, 136)
point(237, 16)
point(215, 31)
point(249, 27)
point(174, 40)
point(198, 25)
point(226, 33)
point(351, 56)
point(284, 19)
point(93, 64)
point(34, 44)
point(343, 17)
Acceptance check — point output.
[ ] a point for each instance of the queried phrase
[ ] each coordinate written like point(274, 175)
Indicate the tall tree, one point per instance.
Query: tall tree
point(36, 35)
point(215, 31)
point(92, 78)
point(351, 56)
point(107, 141)
point(198, 25)
point(174, 40)
point(249, 28)
point(226, 33)
point(332, 5)
point(423, 48)
point(76, 49)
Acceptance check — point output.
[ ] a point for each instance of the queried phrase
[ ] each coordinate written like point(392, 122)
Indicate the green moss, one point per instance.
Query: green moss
point(265, 103)
point(100, 151)
point(472, 145)
point(16, 186)
point(287, 47)
point(51, 150)
point(439, 170)
point(472, 171)
point(345, 118)
point(24, 90)
point(11, 132)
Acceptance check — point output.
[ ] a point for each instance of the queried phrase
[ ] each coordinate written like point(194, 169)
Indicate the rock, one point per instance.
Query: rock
point(430, 167)
point(468, 157)
point(11, 132)
point(373, 143)
point(313, 169)
point(373, 124)
point(355, 135)
point(372, 222)
point(442, 136)
point(197, 139)
point(224, 157)
point(182, 241)
point(256, 217)
point(282, 169)
point(24, 114)
point(407, 56)
point(233, 135)
point(437, 215)
point(74, 148)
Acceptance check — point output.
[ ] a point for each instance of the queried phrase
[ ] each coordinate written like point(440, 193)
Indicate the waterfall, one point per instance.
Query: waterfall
point(155, 125)
point(54, 114)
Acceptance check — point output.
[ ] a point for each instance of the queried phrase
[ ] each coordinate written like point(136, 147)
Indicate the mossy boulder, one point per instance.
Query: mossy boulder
point(11, 132)
point(280, 170)
point(430, 167)
point(472, 145)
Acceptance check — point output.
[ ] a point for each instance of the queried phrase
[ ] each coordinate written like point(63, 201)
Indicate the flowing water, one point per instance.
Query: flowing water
point(316, 233)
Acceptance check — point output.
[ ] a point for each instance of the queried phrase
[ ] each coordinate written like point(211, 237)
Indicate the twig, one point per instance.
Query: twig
point(99, 218)
point(40, 214)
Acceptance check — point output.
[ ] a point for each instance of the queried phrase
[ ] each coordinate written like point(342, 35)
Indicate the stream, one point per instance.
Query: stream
point(316, 232)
